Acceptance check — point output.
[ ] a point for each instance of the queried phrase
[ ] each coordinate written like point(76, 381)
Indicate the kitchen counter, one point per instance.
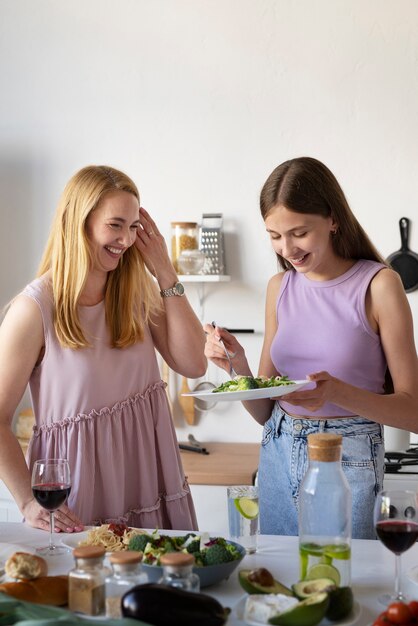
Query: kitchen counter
point(373, 568)
point(226, 464)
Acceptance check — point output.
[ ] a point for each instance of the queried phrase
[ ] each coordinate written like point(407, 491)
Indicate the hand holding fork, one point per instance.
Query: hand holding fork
point(232, 372)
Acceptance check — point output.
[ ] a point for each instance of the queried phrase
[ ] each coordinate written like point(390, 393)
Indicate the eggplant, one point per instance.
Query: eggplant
point(161, 605)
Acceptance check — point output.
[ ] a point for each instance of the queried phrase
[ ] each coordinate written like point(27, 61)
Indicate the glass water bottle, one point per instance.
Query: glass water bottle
point(325, 513)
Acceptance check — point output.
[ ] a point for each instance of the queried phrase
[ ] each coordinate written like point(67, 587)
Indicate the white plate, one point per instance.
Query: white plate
point(72, 540)
point(251, 394)
point(238, 613)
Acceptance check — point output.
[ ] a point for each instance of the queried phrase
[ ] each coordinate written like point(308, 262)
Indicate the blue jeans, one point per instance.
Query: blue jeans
point(284, 461)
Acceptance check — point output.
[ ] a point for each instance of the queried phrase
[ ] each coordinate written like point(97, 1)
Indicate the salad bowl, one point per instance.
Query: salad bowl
point(208, 574)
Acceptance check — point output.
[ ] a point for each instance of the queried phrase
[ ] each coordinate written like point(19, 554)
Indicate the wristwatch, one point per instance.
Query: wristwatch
point(176, 290)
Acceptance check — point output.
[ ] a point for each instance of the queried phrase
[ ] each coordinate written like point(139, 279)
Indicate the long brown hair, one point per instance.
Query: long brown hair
point(305, 185)
point(129, 299)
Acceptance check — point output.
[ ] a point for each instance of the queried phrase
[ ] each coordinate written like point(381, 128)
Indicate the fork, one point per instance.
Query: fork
point(232, 372)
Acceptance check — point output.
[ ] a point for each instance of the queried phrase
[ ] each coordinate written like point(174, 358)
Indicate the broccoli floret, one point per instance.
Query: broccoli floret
point(166, 544)
point(244, 383)
point(138, 542)
point(194, 546)
point(217, 554)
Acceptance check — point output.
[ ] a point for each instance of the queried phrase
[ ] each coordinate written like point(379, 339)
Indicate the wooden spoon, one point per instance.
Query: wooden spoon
point(187, 402)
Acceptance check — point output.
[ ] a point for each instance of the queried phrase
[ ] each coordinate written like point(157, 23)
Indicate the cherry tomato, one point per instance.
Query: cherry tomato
point(381, 620)
point(413, 607)
point(398, 613)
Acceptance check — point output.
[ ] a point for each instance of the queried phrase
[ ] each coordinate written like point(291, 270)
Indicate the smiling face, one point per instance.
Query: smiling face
point(111, 229)
point(304, 240)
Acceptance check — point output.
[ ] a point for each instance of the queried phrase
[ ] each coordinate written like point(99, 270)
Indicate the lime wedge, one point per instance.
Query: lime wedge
point(322, 570)
point(338, 551)
point(247, 508)
point(314, 549)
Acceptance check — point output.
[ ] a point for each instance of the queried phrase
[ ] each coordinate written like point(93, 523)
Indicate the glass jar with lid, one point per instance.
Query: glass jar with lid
point(184, 236)
point(86, 582)
point(126, 573)
point(178, 571)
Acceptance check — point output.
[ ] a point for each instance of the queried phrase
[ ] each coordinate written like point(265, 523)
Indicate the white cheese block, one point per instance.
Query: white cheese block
point(260, 607)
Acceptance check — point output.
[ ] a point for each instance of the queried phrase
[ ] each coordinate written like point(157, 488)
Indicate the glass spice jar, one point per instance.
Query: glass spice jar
point(178, 571)
point(126, 573)
point(184, 236)
point(86, 582)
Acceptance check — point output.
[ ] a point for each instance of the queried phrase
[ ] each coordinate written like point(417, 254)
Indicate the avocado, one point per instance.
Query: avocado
point(308, 612)
point(341, 602)
point(261, 581)
point(306, 588)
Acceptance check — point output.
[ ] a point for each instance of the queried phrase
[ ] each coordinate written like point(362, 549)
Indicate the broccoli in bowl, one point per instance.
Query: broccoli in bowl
point(215, 557)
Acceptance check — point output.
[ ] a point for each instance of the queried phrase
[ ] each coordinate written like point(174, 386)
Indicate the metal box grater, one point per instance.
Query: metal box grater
point(212, 243)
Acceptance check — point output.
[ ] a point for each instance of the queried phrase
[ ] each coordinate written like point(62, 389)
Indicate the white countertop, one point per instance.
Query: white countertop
point(373, 567)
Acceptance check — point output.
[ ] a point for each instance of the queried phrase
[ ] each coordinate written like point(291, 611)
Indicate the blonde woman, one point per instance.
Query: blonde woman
point(83, 334)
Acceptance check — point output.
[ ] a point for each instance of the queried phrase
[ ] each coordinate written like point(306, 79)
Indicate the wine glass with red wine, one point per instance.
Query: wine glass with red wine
point(396, 523)
point(51, 486)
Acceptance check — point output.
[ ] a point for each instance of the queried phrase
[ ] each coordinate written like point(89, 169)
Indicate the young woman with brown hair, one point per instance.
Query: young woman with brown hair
point(339, 316)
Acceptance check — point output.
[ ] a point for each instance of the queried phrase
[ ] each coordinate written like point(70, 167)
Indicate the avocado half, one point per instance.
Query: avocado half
point(261, 581)
point(306, 588)
point(308, 612)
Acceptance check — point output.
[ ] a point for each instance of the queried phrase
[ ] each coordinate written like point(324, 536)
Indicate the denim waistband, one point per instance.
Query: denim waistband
point(340, 426)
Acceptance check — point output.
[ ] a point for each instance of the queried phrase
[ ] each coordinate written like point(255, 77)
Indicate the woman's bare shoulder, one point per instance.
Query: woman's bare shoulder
point(23, 313)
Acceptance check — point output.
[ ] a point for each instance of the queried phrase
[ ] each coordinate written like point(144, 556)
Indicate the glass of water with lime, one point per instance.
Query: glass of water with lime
point(243, 515)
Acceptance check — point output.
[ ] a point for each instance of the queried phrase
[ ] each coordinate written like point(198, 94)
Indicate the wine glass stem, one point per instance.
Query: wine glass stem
point(51, 530)
point(398, 592)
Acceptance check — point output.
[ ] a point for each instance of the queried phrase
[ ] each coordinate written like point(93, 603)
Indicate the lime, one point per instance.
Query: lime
point(326, 559)
point(312, 548)
point(303, 565)
point(247, 508)
point(338, 551)
point(322, 570)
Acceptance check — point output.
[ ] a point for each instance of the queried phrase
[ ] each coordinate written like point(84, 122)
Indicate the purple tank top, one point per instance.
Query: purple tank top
point(322, 325)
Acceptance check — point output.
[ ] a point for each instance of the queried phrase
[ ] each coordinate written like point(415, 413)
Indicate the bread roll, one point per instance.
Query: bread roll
point(52, 590)
point(25, 566)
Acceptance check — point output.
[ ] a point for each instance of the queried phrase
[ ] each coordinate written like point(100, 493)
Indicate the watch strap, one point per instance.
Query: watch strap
point(176, 290)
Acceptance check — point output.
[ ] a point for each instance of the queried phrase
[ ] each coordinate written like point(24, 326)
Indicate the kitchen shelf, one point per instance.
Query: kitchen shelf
point(204, 278)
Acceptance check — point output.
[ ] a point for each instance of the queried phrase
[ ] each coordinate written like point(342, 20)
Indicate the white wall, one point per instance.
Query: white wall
point(198, 100)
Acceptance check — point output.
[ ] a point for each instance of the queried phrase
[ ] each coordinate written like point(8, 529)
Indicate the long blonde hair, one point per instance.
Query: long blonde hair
point(129, 299)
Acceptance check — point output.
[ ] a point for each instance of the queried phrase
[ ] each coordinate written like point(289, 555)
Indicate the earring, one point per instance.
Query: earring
point(334, 232)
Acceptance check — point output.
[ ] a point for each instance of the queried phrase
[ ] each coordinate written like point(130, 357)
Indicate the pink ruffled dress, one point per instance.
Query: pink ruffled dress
point(106, 411)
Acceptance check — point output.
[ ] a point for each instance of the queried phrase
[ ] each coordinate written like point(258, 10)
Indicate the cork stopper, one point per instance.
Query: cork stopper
point(324, 447)
point(89, 552)
point(126, 558)
point(175, 559)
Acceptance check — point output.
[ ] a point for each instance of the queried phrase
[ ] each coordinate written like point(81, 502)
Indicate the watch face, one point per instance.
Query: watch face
point(179, 288)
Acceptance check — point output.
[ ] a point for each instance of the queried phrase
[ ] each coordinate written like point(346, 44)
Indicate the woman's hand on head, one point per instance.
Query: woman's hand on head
point(152, 245)
point(214, 350)
point(64, 519)
point(314, 399)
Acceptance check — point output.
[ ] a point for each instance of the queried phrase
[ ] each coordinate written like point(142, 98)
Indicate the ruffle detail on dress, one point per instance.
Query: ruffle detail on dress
point(119, 406)
point(123, 519)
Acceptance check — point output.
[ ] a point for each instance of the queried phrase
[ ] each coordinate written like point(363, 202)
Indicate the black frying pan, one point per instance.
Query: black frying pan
point(404, 261)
